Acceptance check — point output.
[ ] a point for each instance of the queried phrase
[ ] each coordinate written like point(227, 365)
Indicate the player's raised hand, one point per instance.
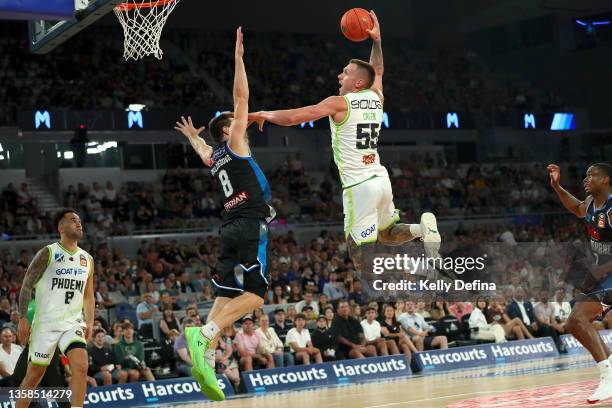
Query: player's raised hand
point(185, 126)
point(239, 45)
point(256, 117)
point(23, 331)
point(375, 30)
point(555, 174)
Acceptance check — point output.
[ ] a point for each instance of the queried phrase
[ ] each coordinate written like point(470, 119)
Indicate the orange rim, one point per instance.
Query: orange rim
point(150, 4)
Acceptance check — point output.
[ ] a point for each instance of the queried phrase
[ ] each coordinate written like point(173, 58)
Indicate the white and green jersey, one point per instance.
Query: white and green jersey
point(61, 288)
point(355, 139)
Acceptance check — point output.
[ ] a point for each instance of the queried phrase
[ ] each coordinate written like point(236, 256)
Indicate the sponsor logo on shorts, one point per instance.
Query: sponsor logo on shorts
point(602, 221)
point(236, 200)
point(41, 355)
point(366, 233)
point(369, 159)
point(83, 260)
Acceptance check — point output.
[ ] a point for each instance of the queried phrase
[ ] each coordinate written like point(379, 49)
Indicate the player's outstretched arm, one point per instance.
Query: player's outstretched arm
point(238, 141)
point(376, 56)
point(89, 302)
point(185, 126)
point(571, 203)
point(292, 117)
point(33, 274)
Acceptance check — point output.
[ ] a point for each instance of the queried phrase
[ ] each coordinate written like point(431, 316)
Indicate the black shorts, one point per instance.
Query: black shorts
point(242, 265)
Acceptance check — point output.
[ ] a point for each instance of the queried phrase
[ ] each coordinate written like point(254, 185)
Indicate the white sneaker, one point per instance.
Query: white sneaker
point(430, 235)
point(603, 391)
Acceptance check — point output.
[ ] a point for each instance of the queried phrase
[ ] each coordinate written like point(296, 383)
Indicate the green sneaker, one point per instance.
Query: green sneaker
point(201, 371)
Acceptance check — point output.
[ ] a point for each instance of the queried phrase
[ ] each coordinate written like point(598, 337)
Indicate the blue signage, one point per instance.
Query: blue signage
point(485, 354)
point(573, 346)
point(530, 121)
point(386, 119)
point(452, 120)
point(325, 374)
point(135, 118)
point(563, 121)
point(42, 118)
point(130, 395)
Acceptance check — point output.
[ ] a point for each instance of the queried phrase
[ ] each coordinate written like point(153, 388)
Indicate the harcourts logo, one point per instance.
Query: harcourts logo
point(116, 395)
point(342, 370)
point(503, 351)
point(42, 118)
point(135, 118)
point(453, 357)
point(368, 232)
point(261, 380)
point(162, 390)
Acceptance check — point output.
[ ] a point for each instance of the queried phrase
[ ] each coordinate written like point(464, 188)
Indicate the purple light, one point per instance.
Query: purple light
point(582, 23)
point(600, 23)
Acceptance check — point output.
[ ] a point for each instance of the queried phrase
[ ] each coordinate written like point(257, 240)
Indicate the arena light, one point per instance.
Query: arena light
point(68, 154)
point(1, 157)
point(582, 23)
point(303, 125)
point(563, 121)
point(601, 23)
point(1, 150)
point(530, 121)
point(386, 119)
point(452, 120)
point(135, 118)
point(42, 118)
point(135, 107)
point(59, 155)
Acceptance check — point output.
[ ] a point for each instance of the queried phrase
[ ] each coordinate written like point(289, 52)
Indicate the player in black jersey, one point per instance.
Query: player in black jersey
point(242, 274)
point(596, 291)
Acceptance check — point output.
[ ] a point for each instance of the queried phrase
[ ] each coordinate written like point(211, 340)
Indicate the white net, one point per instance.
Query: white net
point(143, 22)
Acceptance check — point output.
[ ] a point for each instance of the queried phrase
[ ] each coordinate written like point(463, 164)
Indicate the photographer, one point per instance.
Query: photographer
point(130, 353)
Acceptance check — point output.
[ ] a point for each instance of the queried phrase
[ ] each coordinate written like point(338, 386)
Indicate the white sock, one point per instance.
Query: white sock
point(604, 366)
point(415, 230)
point(210, 330)
point(209, 356)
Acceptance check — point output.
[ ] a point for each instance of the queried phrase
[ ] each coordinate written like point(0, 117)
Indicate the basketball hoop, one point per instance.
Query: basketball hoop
point(142, 22)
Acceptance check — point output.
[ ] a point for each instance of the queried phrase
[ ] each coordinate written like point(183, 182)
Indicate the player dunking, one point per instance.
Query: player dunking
point(62, 274)
point(355, 118)
point(243, 278)
point(596, 296)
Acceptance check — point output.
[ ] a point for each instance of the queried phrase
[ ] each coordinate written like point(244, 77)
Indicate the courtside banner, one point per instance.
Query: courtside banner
point(574, 347)
point(331, 373)
point(141, 394)
point(485, 354)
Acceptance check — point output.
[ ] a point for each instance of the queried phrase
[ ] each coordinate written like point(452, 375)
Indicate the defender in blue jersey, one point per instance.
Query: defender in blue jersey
point(596, 296)
point(242, 273)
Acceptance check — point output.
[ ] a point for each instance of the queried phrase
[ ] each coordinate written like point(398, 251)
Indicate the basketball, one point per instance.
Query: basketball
point(354, 24)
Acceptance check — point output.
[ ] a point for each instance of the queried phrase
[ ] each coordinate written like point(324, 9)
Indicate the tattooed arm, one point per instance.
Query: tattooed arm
point(35, 271)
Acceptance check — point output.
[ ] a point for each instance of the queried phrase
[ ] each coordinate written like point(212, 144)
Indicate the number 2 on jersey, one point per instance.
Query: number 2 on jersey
point(228, 190)
point(367, 136)
point(69, 296)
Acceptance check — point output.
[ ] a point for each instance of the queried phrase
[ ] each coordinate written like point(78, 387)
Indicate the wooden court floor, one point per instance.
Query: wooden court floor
point(561, 382)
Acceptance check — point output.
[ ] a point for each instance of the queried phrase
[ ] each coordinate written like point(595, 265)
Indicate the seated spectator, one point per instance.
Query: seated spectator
point(291, 313)
point(356, 292)
point(399, 309)
point(419, 330)
point(523, 309)
point(329, 315)
point(129, 352)
point(514, 328)
point(257, 313)
point(295, 294)
point(117, 332)
point(103, 296)
point(278, 296)
point(479, 327)
point(372, 333)
point(311, 318)
point(439, 309)
point(323, 338)
point(184, 363)
point(562, 308)
point(395, 336)
point(102, 365)
point(270, 343)
point(460, 309)
point(333, 289)
point(168, 322)
point(323, 301)
point(5, 311)
point(247, 343)
point(225, 356)
point(281, 326)
point(356, 311)
point(166, 300)
point(545, 312)
point(207, 294)
point(9, 352)
point(351, 341)
point(145, 312)
point(299, 340)
point(308, 301)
